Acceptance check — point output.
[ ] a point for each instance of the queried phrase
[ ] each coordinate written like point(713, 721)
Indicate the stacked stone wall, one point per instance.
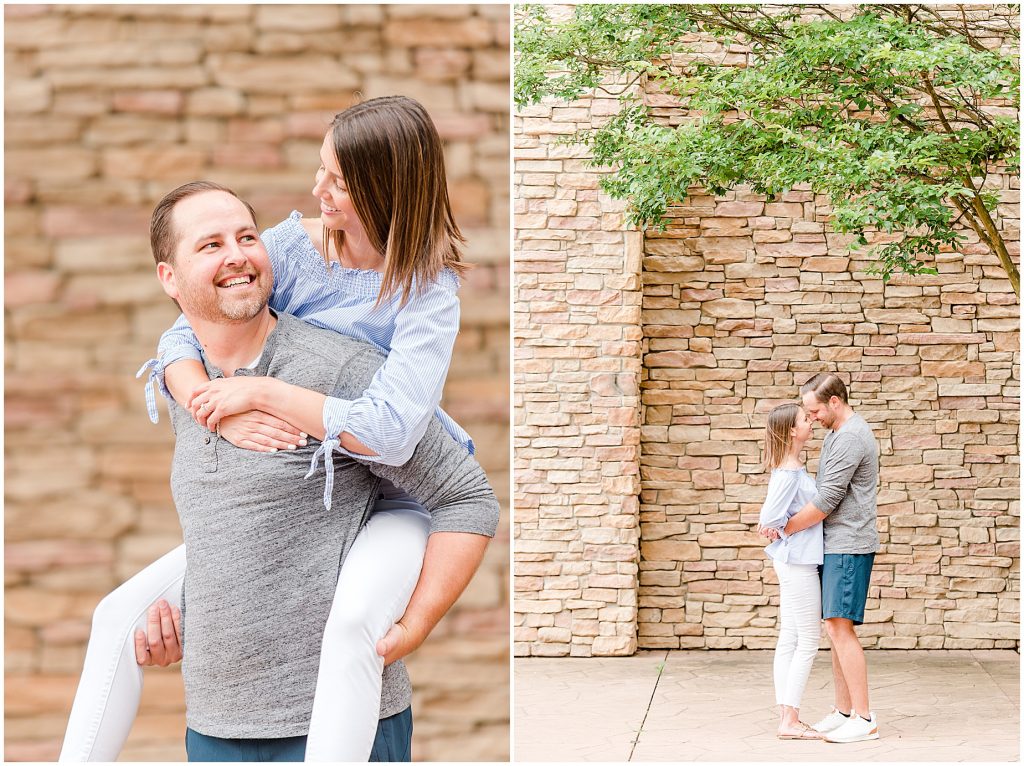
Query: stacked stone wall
point(108, 107)
point(743, 299)
point(576, 380)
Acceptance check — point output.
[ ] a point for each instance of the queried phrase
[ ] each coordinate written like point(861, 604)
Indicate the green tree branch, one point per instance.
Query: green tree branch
point(884, 108)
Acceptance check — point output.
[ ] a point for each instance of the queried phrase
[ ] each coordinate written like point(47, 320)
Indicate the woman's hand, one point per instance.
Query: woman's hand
point(216, 399)
point(260, 432)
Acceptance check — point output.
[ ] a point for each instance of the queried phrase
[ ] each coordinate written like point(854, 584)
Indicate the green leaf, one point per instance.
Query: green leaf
point(833, 104)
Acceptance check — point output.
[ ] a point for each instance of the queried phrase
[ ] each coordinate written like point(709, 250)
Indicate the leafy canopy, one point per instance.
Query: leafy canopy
point(888, 110)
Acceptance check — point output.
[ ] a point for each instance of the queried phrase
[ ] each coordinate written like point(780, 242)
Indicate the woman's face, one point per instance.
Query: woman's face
point(336, 210)
point(802, 428)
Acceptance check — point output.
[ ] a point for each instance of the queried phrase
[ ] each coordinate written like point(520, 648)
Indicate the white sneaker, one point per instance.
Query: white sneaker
point(832, 721)
point(856, 729)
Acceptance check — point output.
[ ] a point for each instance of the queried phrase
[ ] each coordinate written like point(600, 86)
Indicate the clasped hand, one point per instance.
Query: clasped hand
point(770, 532)
point(225, 405)
point(218, 398)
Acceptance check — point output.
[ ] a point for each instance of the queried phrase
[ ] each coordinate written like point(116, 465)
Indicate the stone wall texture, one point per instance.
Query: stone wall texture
point(106, 109)
point(577, 340)
point(741, 300)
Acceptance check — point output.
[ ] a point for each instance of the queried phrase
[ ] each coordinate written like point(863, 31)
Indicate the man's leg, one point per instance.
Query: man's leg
point(846, 577)
point(394, 739)
point(842, 691)
point(849, 668)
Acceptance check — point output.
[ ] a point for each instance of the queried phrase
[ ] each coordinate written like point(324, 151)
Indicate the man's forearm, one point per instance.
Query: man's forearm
point(806, 517)
point(450, 561)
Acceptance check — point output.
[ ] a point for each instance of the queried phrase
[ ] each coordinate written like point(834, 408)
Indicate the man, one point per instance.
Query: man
point(263, 551)
point(847, 501)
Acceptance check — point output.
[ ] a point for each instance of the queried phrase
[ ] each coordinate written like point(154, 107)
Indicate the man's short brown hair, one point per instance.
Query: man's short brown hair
point(162, 238)
point(825, 385)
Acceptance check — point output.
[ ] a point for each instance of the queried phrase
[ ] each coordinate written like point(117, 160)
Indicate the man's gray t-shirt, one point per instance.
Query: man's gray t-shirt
point(264, 554)
point(847, 482)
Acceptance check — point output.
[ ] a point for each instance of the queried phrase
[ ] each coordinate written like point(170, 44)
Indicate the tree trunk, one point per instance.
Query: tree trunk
point(998, 245)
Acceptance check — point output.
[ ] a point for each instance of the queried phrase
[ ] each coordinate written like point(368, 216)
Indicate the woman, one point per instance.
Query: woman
point(796, 559)
point(381, 264)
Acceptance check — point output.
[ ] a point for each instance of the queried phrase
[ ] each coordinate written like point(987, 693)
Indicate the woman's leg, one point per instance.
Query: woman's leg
point(786, 644)
point(111, 684)
point(374, 586)
point(804, 596)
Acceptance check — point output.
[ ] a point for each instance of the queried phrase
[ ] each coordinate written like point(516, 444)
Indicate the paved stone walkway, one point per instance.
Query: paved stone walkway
point(955, 705)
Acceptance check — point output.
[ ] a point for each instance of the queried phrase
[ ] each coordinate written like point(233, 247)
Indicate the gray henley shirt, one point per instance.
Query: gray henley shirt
point(847, 483)
point(264, 554)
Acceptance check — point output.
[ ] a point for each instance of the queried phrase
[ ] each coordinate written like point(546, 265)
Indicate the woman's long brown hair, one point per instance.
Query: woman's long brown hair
point(392, 163)
point(778, 434)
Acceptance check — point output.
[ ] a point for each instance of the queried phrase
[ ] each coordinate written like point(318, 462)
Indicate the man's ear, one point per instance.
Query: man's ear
point(165, 273)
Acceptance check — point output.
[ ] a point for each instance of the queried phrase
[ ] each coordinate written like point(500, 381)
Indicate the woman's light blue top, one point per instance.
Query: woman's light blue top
point(393, 413)
point(789, 490)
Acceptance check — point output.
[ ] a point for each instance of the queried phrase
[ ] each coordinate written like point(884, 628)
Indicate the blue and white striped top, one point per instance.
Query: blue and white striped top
point(789, 490)
point(394, 411)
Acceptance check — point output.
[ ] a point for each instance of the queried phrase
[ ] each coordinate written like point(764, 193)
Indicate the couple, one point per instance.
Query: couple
point(289, 587)
point(824, 543)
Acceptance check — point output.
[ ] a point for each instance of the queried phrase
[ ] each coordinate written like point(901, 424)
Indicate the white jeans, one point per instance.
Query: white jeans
point(799, 630)
point(374, 586)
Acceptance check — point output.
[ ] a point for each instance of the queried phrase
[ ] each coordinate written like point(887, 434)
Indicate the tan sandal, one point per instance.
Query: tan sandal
point(806, 732)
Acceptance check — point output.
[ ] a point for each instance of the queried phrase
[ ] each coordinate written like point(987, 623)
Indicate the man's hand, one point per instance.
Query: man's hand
point(770, 532)
point(258, 431)
point(449, 562)
point(160, 643)
point(398, 642)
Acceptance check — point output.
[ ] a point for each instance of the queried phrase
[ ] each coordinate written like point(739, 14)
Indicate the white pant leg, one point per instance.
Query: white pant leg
point(374, 587)
point(111, 683)
point(786, 644)
point(800, 623)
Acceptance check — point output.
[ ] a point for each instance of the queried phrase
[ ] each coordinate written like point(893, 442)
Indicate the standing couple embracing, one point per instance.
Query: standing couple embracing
point(825, 538)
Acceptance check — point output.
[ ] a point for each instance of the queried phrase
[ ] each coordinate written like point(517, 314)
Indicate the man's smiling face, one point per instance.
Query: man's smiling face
point(821, 412)
point(220, 271)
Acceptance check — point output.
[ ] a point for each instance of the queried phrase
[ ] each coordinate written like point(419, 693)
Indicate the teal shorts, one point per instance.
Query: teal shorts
point(844, 585)
point(392, 744)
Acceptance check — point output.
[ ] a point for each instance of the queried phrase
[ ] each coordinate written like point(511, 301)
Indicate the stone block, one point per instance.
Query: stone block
point(27, 96)
point(277, 74)
point(739, 209)
point(670, 550)
point(729, 308)
point(470, 32)
point(730, 540)
point(614, 646)
point(996, 630)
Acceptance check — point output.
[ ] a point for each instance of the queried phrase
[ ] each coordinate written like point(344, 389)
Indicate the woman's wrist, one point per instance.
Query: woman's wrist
point(268, 393)
point(300, 407)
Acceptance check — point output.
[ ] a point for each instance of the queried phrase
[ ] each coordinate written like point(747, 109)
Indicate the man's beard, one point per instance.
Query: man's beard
point(219, 307)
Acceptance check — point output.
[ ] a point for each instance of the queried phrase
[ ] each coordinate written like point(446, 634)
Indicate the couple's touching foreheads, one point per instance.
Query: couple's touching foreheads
point(825, 538)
